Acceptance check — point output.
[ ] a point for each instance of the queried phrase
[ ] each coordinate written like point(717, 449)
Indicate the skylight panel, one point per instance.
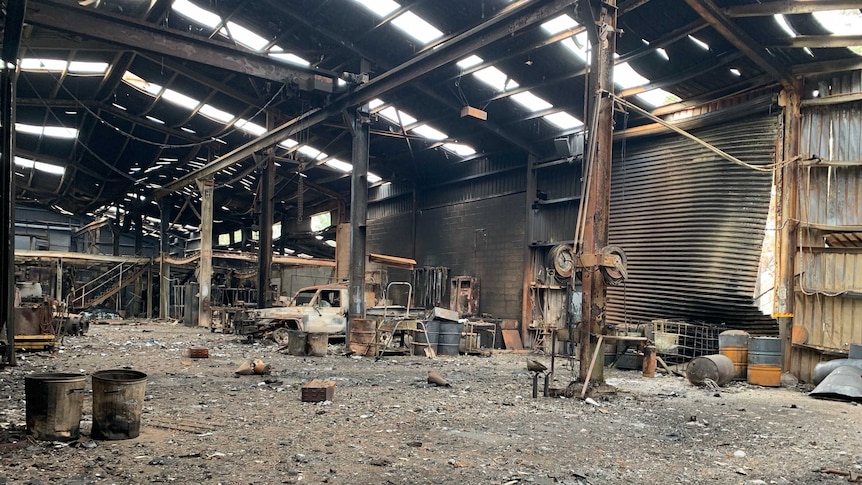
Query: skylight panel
point(80, 67)
point(47, 65)
point(155, 120)
point(703, 45)
point(289, 58)
point(531, 101)
point(842, 22)
point(662, 53)
point(48, 131)
point(381, 8)
point(577, 45)
point(196, 14)
point(244, 36)
point(427, 131)
point(339, 165)
point(470, 61)
point(626, 77)
point(141, 84)
point(495, 78)
point(29, 129)
point(375, 103)
point(782, 22)
point(250, 128)
point(658, 97)
point(216, 114)
point(373, 179)
point(392, 115)
point(41, 166)
point(460, 149)
point(735, 72)
point(416, 27)
point(563, 120)
point(180, 99)
point(311, 152)
point(289, 143)
point(559, 24)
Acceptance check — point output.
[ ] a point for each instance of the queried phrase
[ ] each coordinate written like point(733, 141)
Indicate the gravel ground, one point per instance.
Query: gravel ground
point(203, 424)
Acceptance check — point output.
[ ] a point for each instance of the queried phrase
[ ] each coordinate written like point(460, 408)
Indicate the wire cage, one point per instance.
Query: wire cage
point(679, 341)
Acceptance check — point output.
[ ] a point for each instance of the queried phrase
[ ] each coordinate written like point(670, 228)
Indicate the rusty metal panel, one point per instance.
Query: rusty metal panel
point(692, 226)
point(830, 273)
point(833, 323)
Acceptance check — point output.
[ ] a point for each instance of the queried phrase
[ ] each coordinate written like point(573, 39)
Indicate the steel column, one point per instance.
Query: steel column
point(787, 219)
point(597, 207)
point(361, 127)
point(264, 251)
point(205, 268)
point(164, 265)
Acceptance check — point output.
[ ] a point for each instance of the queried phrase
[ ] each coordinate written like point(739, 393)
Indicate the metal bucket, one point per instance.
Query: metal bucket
point(764, 361)
point(296, 342)
point(450, 338)
point(118, 401)
point(718, 367)
point(318, 344)
point(54, 402)
point(363, 336)
point(734, 345)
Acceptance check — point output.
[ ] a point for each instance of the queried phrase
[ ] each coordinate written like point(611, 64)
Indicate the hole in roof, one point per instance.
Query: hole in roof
point(460, 149)
point(180, 99)
point(380, 7)
point(118, 106)
point(626, 77)
point(563, 120)
point(782, 22)
point(392, 115)
point(658, 97)
point(416, 27)
point(531, 101)
point(244, 36)
point(196, 14)
point(735, 71)
point(662, 53)
point(141, 84)
point(155, 120)
point(216, 114)
point(427, 131)
point(842, 22)
point(703, 45)
point(468, 62)
point(808, 51)
point(559, 24)
point(187, 130)
point(495, 78)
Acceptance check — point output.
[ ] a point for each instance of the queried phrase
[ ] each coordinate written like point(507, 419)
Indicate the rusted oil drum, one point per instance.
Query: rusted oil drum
point(54, 402)
point(718, 368)
point(317, 345)
point(450, 338)
point(734, 345)
point(426, 335)
point(363, 336)
point(764, 361)
point(118, 401)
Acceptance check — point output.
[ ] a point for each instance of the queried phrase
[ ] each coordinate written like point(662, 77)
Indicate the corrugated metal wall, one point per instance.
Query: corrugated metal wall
point(692, 225)
point(828, 303)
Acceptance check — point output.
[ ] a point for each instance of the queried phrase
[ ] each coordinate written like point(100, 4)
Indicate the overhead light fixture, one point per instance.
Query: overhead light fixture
point(474, 113)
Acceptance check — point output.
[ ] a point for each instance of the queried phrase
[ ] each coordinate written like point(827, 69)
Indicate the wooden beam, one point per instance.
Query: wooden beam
point(825, 67)
point(787, 7)
point(742, 41)
point(818, 41)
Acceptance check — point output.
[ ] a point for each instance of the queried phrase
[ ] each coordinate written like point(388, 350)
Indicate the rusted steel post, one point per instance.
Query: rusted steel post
point(358, 212)
point(597, 207)
point(649, 363)
point(205, 273)
point(164, 254)
point(264, 254)
point(526, 306)
point(787, 219)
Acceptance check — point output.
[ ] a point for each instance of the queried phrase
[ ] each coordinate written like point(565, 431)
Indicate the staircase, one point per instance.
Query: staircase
point(106, 285)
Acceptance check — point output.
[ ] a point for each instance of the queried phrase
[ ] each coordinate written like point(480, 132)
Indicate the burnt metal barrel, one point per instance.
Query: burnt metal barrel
point(450, 338)
point(426, 335)
point(734, 345)
point(296, 342)
point(54, 402)
point(764, 361)
point(118, 402)
point(363, 336)
point(717, 368)
point(317, 344)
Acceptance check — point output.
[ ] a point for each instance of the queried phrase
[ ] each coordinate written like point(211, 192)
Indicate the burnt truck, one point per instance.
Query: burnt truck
point(314, 309)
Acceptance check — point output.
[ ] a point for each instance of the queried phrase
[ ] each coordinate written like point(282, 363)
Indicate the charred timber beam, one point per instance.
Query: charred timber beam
point(742, 41)
point(517, 16)
point(140, 35)
point(788, 7)
point(826, 67)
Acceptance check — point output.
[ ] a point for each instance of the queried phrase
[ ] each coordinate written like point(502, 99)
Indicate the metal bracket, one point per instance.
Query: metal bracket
point(594, 260)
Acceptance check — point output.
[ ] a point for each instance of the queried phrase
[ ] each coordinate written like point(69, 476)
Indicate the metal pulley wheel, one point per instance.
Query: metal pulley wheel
point(616, 274)
point(562, 259)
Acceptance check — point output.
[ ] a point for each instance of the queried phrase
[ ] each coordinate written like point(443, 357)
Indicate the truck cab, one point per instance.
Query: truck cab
point(314, 309)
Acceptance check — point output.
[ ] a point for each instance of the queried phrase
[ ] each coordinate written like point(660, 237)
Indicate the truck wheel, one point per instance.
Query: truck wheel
point(281, 336)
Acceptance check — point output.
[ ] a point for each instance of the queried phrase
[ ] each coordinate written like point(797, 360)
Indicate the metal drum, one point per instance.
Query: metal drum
point(426, 335)
point(764, 361)
point(855, 351)
point(717, 368)
point(296, 342)
point(118, 402)
point(450, 338)
point(363, 336)
point(734, 345)
point(53, 405)
point(317, 344)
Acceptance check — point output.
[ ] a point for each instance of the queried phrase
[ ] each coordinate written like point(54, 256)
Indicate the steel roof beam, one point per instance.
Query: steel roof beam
point(517, 16)
point(742, 41)
point(139, 35)
point(788, 7)
point(825, 41)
